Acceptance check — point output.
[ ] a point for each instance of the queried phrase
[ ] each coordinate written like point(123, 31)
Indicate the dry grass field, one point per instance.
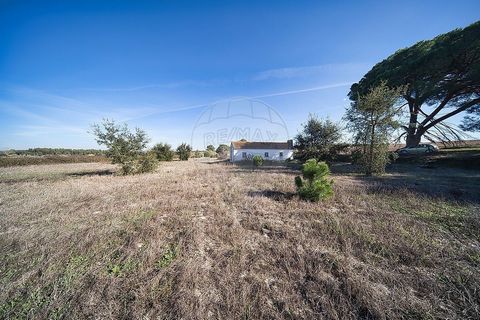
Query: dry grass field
point(198, 240)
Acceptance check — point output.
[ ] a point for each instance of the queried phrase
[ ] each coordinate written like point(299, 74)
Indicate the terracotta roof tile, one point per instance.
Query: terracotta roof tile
point(259, 145)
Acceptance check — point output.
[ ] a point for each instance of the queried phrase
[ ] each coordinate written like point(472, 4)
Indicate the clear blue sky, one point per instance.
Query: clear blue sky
point(67, 64)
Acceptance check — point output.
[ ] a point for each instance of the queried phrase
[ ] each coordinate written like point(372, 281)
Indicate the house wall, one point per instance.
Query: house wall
point(273, 154)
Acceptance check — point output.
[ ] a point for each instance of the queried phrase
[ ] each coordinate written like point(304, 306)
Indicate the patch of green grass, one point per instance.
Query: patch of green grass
point(449, 216)
point(369, 240)
point(30, 301)
point(120, 269)
point(23, 306)
point(76, 267)
point(140, 218)
point(474, 257)
point(167, 257)
point(49, 159)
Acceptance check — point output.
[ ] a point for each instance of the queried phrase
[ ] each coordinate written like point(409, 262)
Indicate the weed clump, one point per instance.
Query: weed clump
point(167, 258)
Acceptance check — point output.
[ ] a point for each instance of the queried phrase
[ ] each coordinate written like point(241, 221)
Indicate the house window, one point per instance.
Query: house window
point(266, 154)
point(280, 154)
point(244, 155)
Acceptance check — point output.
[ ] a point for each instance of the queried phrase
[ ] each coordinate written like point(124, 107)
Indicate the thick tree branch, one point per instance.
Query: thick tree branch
point(450, 114)
point(442, 104)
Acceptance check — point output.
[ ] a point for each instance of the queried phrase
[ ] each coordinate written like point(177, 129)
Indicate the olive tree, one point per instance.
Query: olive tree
point(123, 146)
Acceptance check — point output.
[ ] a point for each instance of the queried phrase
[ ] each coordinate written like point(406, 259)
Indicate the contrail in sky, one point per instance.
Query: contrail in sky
point(275, 94)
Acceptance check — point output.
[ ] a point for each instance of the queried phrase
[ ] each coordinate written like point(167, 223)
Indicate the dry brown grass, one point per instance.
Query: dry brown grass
point(196, 240)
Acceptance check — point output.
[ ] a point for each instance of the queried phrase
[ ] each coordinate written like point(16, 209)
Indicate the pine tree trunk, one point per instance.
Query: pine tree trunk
point(413, 134)
point(372, 144)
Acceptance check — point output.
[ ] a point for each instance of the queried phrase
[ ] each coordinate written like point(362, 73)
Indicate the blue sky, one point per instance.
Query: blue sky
point(159, 65)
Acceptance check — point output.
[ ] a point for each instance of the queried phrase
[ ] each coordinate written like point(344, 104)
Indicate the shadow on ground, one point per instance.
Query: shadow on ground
point(448, 183)
point(272, 194)
point(91, 173)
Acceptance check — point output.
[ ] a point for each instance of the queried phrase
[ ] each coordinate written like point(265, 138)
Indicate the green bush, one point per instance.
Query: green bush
point(210, 154)
point(147, 162)
point(257, 160)
point(184, 151)
point(375, 160)
point(163, 152)
point(123, 146)
point(222, 151)
point(315, 184)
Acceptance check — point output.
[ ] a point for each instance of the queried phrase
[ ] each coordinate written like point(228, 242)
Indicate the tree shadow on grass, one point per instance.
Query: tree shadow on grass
point(272, 194)
point(92, 173)
point(462, 188)
point(456, 184)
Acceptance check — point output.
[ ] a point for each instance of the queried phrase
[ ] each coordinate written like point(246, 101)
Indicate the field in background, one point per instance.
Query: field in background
point(212, 240)
point(26, 160)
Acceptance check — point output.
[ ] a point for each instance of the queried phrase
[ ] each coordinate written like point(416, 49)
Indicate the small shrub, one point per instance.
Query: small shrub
point(124, 146)
point(210, 154)
point(163, 151)
point(257, 161)
point(375, 159)
point(147, 163)
point(222, 151)
point(129, 167)
point(315, 185)
point(183, 151)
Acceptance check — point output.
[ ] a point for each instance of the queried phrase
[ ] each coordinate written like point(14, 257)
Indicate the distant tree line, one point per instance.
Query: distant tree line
point(53, 151)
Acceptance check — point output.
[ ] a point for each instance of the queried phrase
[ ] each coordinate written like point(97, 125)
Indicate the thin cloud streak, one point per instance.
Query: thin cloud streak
point(275, 94)
point(296, 72)
point(284, 93)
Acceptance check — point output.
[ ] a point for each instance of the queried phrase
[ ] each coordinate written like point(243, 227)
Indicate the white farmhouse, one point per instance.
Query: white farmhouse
point(274, 151)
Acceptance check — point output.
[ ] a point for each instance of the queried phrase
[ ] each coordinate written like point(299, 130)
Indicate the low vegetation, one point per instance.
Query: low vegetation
point(257, 160)
point(315, 184)
point(78, 243)
point(53, 152)
point(13, 160)
point(163, 152)
point(222, 151)
point(183, 151)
